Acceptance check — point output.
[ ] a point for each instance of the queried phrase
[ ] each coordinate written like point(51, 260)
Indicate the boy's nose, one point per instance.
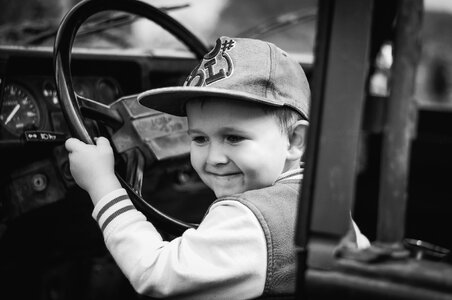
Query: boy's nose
point(216, 155)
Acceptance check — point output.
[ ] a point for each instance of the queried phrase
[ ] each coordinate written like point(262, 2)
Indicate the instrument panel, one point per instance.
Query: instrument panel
point(20, 109)
point(31, 102)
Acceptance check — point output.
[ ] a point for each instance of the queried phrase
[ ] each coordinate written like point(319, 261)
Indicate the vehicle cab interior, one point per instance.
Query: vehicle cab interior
point(378, 145)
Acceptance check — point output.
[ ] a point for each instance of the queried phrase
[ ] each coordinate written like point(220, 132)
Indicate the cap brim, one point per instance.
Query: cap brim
point(172, 100)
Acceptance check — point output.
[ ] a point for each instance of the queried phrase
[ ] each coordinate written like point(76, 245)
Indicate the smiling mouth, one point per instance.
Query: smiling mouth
point(223, 175)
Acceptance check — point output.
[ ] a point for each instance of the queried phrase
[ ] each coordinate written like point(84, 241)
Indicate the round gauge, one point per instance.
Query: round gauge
point(108, 90)
point(20, 110)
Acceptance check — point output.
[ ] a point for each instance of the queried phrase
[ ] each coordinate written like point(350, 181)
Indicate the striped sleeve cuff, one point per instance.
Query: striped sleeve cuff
point(114, 209)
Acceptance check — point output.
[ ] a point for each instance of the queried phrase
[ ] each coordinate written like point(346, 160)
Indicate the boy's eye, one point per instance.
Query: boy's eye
point(199, 139)
point(233, 139)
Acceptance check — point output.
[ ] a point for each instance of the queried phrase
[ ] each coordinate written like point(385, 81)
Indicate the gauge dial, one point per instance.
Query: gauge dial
point(20, 110)
point(108, 90)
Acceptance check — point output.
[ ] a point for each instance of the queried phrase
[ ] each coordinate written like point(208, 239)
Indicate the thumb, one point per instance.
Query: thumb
point(73, 144)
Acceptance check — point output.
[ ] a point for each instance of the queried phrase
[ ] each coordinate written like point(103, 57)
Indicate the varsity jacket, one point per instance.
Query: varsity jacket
point(242, 249)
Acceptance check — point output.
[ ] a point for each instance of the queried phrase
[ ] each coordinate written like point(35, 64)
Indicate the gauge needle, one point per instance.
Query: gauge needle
point(11, 115)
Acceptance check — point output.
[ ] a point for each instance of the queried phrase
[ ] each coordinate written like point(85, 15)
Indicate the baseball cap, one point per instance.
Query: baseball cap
point(239, 69)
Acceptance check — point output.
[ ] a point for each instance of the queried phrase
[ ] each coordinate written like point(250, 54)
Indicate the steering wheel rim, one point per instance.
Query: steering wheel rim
point(62, 57)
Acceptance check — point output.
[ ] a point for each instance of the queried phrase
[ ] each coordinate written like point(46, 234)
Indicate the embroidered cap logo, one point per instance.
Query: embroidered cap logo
point(216, 65)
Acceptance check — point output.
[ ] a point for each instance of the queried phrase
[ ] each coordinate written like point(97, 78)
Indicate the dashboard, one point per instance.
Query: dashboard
point(28, 92)
point(35, 171)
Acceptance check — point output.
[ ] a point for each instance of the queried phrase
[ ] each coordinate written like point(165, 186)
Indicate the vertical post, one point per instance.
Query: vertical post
point(399, 127)
point(338, 94)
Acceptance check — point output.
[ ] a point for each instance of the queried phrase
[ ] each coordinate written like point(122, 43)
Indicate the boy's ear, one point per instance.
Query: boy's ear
point(297, 139)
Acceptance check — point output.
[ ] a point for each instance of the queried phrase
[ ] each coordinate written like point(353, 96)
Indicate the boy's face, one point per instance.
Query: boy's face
point(235, 146)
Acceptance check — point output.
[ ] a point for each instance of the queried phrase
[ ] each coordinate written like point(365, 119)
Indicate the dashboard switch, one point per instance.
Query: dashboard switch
point(44, 136)
point(39, 182)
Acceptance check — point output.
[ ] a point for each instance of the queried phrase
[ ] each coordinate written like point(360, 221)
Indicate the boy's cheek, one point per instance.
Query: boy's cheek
point(196, 161)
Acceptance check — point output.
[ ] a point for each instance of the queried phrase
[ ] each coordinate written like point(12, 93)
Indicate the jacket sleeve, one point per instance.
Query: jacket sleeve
point(224, 258)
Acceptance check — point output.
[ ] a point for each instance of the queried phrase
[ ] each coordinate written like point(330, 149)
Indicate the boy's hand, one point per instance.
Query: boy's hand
point(92, 167)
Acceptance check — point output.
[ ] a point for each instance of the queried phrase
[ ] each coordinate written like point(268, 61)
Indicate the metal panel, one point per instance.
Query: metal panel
point(343, 100)
point(338, 93)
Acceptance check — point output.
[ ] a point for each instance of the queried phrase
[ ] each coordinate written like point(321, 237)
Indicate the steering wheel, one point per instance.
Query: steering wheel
point(113, 115)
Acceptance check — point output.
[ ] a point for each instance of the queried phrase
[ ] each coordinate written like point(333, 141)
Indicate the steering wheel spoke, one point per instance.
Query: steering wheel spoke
point(99, 111)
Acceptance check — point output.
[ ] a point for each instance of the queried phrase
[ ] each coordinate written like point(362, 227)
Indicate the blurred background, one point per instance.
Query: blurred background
point(278, 21)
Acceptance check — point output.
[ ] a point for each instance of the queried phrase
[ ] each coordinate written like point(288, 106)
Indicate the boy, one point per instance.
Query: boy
point(247, 108)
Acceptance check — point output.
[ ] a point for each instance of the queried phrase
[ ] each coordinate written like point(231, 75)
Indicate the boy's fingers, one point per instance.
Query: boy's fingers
point(72, 144)
point(101, 141)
